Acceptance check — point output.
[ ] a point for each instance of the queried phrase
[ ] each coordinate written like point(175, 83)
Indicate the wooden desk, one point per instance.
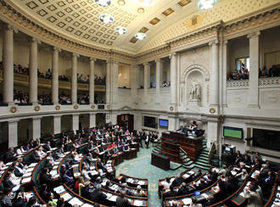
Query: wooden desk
point(160, 161)
point(172, 141)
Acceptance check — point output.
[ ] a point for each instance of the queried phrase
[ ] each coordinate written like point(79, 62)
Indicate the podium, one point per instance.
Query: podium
point(172, 141)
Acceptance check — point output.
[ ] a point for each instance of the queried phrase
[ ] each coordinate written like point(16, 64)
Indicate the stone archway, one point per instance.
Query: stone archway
point(195, 74)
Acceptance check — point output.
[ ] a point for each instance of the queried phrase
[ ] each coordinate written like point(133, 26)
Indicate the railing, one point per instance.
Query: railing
point(237, 83)
point(269, 81)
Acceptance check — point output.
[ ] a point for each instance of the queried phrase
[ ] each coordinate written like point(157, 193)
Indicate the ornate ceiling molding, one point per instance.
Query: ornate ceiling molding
point(253, 21)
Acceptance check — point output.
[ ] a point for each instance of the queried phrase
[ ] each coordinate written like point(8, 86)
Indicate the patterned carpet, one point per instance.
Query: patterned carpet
point(141, 167)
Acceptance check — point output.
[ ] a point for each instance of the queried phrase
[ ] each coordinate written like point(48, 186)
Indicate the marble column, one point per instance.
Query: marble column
point(108, 81)
point(134, 80)
point(225, 72)
point(36, 127)
point(158, 74)
point(13, 133)
point(91, 81)
point(214, 75)
point(74, 78)
point(33, 71)
point(173, 76)
point(55, 82)
point(254, 53)
point(92, 120)
point(75, 122)
point(8, 65)
point(57, 124)
point(114, 83)
point(147, 76)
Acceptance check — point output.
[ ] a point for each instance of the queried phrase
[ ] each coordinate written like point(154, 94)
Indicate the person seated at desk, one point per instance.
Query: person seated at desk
point(44, 193)
point(253, 197)
point(20, 150)
point(35, 156)
point(122, 201)
point(139, 191)
point(68, 180)
point(45, 177)
point(195, 202)
point(52, 201)
point(47, 147)
point(10, 156)
point(197, 174)
point(41, 153)
point(6, 201)
point(183, 190)
point(98, 196)
point(2, 165)
point(18, 170)
point(177, 181)
point(169, 193)
point(10, 184)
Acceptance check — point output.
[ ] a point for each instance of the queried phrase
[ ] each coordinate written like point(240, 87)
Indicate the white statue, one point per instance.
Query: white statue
point(195, 91)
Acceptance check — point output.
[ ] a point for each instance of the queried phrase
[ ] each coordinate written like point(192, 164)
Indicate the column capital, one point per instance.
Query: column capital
point(75, 55)
point(33, 39)
point(173, 54)
point(158, 60)
point(56, 49)
point(37, 117)
point(92, 59)
point(13, 121)
point(214, 42)
point(11, 28)
point(110, 61)
point(146, 64)
point(253, 35)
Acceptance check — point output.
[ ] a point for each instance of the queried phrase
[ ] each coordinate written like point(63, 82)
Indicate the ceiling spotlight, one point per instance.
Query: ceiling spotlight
point(121, 2)
point(106, 18)
point(103, 2)
point(140, 35)
point(206, 4)
point(121, 30)
point(140, 10)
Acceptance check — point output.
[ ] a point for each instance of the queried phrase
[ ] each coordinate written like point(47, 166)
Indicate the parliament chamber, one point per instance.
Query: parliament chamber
point(139, 103)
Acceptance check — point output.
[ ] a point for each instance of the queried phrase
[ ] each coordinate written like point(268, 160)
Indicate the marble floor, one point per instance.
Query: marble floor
point(141, 167)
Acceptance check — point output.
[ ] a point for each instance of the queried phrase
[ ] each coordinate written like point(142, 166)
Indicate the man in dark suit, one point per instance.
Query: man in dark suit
point(122, 201)
point(45, 177)
point(8, 183)
point(98, 196)
point(147, 140)
point(35, 156)
point(47, 147)
point(10, 155)
point(177, 181)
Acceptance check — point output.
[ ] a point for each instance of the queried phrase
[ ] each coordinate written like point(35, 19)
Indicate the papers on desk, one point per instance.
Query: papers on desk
point(241, 194)
point(233, 172)
point(53, 173)
point(139, 203)
point(32, 165)
point(9, 163)
point(76, 201)
point(187, 201)
point(26, 180)
point(141, 182)
point(87, 205)
point(111, 197)
point(29, 170)
point(27, 174)
point(66, 196)
point(60, 189)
